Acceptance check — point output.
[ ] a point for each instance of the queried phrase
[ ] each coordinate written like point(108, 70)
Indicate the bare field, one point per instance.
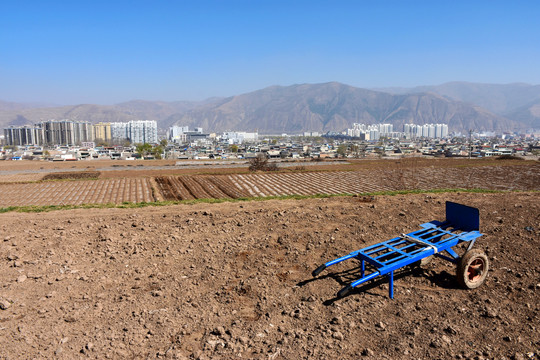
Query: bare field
point(138, 168)
point(374, 176)
point(18, 177)
point(233, 281)
point(76, 192)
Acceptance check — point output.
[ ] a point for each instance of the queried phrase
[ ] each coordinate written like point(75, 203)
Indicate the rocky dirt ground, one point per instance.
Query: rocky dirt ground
point(233, 281)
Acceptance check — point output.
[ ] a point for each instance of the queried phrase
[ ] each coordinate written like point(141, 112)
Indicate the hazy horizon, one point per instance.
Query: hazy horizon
point(107, 53)
point(382, 89)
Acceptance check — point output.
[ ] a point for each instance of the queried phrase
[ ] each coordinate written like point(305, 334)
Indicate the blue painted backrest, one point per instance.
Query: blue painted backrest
point(464, 217)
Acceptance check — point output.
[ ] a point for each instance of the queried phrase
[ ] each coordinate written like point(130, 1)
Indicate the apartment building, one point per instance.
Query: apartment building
point(23, 135)
point(51, 132)
point(136, 131)
point(102, 131)
point(433, 131)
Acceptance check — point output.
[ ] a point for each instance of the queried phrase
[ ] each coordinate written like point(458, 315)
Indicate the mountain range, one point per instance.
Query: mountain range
point(317, 107)
point(518, 101)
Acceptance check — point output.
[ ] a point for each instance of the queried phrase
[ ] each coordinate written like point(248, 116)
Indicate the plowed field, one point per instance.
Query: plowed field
point(186, 187)
point(76, 192)
point(198, 187)
point(310, 183)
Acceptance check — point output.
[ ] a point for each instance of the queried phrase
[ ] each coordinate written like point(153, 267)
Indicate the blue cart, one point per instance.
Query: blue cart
point(436, 238)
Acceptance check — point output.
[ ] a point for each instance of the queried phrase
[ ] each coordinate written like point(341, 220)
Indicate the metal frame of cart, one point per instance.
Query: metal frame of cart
point(437, 238)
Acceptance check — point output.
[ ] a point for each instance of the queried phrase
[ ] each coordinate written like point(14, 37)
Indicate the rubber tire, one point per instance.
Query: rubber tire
point(480, 260)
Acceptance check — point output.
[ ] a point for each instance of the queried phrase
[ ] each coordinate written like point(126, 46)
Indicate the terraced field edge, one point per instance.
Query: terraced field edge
point(131, 205)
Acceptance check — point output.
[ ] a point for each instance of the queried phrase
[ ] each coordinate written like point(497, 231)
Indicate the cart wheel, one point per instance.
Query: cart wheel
point(472, 269)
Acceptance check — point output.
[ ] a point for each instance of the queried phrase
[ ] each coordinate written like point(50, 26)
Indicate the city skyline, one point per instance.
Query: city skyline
point(107, 53)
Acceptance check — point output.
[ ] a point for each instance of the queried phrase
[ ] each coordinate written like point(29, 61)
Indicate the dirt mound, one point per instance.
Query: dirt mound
point(509, 157)
point(75, 175)
point(234, 281)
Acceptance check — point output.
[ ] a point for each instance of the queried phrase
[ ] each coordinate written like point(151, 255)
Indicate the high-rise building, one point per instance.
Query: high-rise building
point(143, 131)
point(370, 132)
point(426, 130)
point(23, 135)
point(441, 130)
point(136, 131)
point(386, 128)
point(51, 132)
point(239, 137)
point(175, 132)
point(374, 133)
point(102, 131)
point(66, 132)
point(119, 131)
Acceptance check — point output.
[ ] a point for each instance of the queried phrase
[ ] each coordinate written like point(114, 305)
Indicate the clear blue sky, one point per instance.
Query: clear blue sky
point(70, 52)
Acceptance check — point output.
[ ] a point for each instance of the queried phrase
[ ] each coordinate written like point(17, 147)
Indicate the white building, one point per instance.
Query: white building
point(427, 130)
point(441, 130)
point(373, 133)
point(143, 131)
point(175, 132)
point(356, 130)
point(386, 128)
point(119, 131)
point(136, 131)
point(239, 137)
point(370, 132)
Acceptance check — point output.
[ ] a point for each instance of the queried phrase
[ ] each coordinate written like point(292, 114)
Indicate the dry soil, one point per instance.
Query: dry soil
point(233, 281)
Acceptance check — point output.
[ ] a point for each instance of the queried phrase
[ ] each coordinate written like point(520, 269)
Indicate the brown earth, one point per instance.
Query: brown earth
point(126, 168)
point(233, 280)
point(197, 183)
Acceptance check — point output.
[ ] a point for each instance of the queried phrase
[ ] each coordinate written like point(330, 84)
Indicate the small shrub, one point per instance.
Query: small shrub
point(82, 175)
point(509, 157)
point(271, 167)
point(260, 163)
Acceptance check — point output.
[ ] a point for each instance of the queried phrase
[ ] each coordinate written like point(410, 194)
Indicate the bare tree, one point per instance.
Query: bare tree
point(261, 163)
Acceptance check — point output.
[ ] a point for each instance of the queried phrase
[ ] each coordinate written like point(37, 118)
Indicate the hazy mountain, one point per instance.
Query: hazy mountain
point(334, 107)
point(307, 107)
point(159, 110)
point(529, 115)
point(500, 99)
point(14, 106)
point(132, 110)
